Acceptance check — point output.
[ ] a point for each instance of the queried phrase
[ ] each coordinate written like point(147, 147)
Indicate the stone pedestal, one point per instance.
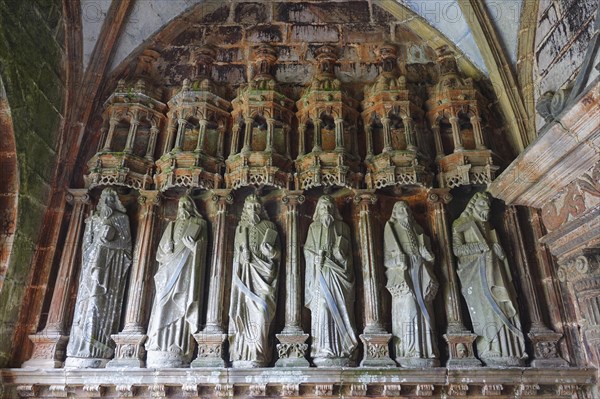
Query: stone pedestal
point(545, 347)
point(210, 350)
point(129, 350)
point(292, 350)
point(460, 348)
point(377, 353)
point(48, 350)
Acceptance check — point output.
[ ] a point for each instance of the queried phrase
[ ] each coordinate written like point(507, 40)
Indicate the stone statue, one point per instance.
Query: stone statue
point(329, 287)
point(411, 281)
point(176, 309)
point(254, 287)
point(487, 286)
point(106, 259)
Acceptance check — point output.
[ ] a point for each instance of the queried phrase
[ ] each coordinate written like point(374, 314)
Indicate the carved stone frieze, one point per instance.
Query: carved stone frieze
point(574, 200)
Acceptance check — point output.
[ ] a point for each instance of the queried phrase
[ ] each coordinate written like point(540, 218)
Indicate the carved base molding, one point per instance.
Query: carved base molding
point(545, 346)
point(377, 353)
point(48, 350)
point(292, 350)
point(462, 354)
point(270, 382)
point(129, 350)
point(210, 350)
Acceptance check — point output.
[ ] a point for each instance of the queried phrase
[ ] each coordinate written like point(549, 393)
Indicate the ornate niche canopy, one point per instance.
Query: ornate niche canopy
point(327, 123)
point(454, 110)
point(390, 115)
point(193, 152)
point(132, 119)
point(262, 116)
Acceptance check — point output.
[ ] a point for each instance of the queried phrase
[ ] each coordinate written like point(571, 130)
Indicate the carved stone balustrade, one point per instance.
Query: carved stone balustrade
point(262, 116)
point(390, 114)
point(327, 121)
point(198, 119)
point(454, 110)
point(133, 119)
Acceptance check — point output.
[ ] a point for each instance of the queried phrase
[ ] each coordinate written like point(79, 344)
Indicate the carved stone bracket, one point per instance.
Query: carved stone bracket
point(545, 346)
point(224, 390)
point(392, 390)
point(210, 350)
point(290, 390)
point(292, 350)
point(377, 353)
point(424, 390)
point(458, 390)
point(528, 390)
point(492, 390)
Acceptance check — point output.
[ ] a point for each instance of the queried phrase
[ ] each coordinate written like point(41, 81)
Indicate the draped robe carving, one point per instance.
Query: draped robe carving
point(254, 288)
point(486, 284)
point(329, 287)
point(176, 308)
point(106, 257)
point(411, 281)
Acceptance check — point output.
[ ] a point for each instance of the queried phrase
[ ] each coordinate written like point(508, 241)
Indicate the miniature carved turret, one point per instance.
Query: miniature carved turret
point(327, 126)
point(390, 118)
point(193, 151)
point(454, 111)
point(133, 118)
point(262, 118)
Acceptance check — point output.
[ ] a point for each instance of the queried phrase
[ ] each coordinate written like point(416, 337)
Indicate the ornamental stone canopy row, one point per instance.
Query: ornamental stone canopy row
point(403, 136)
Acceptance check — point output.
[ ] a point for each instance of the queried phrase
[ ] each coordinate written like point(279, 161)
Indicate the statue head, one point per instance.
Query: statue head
point(401, 212)
point(109, 202)
point(479, 207)
point(252, 212)
point(326, 211)
point(187, 208)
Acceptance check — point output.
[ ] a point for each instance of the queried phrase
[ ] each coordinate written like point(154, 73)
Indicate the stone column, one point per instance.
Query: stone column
point(339, 134)
point(220, 140)
point(247, 134)
point(292, 340)
point(374, 336)
point(317, 135)
point(286, 137)
point(171, 128)
point(581, 274)
point(49, 345)
point(369, 135)
point(387, 134)
point(129, 350)
point(234, 139)
point(478, 133)
point(152, 143)
point(201, 135)
point(181, 122)
point(458, 145)
point(210, 340)
point(270, 129)
point(301, 138)
point(111, 131)
point(459, 339)
point(408, 133)
point(437, 138)
point(544, 340)
point(131, 136)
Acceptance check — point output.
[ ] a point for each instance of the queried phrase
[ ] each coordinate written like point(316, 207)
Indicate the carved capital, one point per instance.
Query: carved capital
point(293, 197)
point(365, 197)
point(439, 196)
point(579, 267)
point(223, 197)
point(78, 195)
point(149, 198)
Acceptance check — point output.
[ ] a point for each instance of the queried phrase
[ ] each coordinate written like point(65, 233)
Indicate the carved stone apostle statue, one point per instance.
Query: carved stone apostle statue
point(105, 262)
point(329, 287)
point(253, 288)
point(181, 256)
point(487, 286)
point(411, 281)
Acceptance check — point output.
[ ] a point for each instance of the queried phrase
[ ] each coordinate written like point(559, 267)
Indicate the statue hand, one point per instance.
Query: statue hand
point(318, 260)
point(266, 249)
point(189, 242)
point(426, 254)
point(499, 251)
point(246, 256)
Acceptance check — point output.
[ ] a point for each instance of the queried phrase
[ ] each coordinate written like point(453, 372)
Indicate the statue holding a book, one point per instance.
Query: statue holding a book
point(254, 287)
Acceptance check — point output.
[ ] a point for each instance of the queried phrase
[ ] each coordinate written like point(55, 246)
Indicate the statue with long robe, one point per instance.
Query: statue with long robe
point(487, 287)
point(253, 288)
point(411, 282)
point(106, 257)
point(329, 287)
point(181, 256)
